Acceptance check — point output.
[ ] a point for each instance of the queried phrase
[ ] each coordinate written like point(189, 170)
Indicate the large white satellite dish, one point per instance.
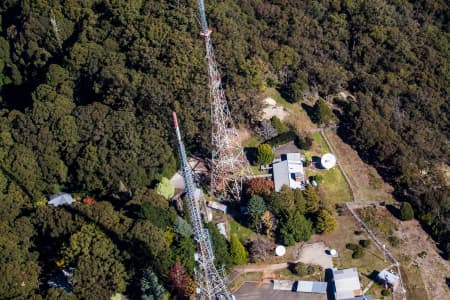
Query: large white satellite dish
point(280, 250)
point(328, 161)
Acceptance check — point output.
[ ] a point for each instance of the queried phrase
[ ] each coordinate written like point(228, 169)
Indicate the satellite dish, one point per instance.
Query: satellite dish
point(280, 250)
point(328, 161)
point(333, 252)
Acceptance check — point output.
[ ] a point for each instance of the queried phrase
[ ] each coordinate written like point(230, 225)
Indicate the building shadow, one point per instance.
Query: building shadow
point(330, 284)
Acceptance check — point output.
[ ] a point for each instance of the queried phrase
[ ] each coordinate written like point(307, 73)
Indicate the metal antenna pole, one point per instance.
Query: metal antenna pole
point(229, 164)
point(210, 284)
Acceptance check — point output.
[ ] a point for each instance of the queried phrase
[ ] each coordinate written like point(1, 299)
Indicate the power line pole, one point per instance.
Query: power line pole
point(229, 164)
point(210, 284)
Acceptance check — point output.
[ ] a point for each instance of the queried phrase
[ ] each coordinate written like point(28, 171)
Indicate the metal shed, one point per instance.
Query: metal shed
point(312, 287)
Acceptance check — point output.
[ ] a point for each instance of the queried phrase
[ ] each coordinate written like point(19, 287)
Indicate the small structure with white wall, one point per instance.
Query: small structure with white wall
point(222, 229)
point(218, 206)
point(389, 279)
point(289, 171)
point(346, 284)
point(316, 287)
point(61, 199)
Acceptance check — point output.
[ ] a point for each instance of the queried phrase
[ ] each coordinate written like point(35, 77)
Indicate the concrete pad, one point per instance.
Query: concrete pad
point(316, 254)
point(177, 181)
point(272, 109)
point(255, 291)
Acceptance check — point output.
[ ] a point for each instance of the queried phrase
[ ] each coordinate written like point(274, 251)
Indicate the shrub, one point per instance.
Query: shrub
point(165, 188)
point(300, 269)
point(394, 241)
point(312, 269)
point(265, 154)
point(358, 253)
point(365, 243)
point(351, 246)
point(279, 126)
point(385, 292)
point(422, 254)
point(325, 223)
point(259, 186)
point(322, 113)
point(406, 212)
point(357, 232)
point(304, 142)
point(283, 138)
point(238, 251)
point(307, 161)
point(318, 179)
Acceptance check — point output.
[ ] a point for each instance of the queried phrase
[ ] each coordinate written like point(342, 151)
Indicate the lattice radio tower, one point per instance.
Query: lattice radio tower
point(210, 284)
point(229, 164)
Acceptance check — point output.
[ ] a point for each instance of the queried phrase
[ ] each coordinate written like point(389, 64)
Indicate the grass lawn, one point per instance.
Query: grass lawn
point(372, 259)
point(274, 94)
point(323, 147)
point(243, 233)
point(415, 288)
point(257, 171)
point(333, 187)
point(253, 141)
point(375, 291)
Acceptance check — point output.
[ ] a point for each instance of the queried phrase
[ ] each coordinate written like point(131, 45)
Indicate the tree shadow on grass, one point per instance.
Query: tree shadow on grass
point(251, 154)
point(393, 210)
point(309, 111)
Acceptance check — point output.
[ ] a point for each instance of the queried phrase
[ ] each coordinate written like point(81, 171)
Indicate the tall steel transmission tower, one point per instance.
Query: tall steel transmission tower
point(229, 164)
point(209, 283)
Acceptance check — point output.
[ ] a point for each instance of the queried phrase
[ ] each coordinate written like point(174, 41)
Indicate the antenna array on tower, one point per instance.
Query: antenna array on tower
point(229, 164)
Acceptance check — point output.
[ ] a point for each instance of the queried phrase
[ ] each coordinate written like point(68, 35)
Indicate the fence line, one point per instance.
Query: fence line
point(347, 179)
point(382, 247)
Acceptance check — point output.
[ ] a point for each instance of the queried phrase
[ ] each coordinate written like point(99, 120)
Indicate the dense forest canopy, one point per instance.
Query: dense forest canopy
point(87, 87)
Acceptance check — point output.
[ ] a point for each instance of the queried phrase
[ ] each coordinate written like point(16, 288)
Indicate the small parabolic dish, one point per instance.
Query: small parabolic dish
point(333, 252)
point(328, 161)
point(280, 250)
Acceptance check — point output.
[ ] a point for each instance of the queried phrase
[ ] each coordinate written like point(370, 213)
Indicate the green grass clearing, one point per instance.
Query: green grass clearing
point(323, 147)
point(375, 291)
point(243, 233)
point(274, 94)
point(415, 288)
point(333, 187)
point(253, 141)
point(372, 260)
point(257, 171)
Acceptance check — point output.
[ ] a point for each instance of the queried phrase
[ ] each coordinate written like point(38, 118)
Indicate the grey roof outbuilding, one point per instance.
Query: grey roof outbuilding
point(312, 287)
point(61, 199)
